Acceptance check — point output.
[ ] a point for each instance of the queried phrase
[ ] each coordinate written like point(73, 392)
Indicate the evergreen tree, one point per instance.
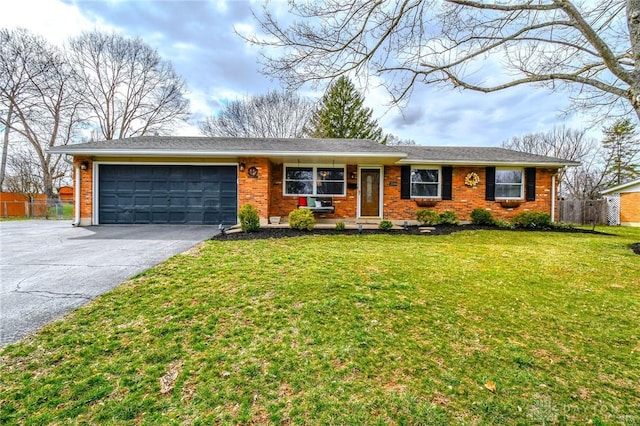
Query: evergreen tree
point(342, 115)
point(622, 151)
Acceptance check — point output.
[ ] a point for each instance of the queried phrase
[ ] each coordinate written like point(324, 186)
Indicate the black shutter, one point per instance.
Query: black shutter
point(447, 184)
point(405, 182)
point(490, 185)
point(530, 182)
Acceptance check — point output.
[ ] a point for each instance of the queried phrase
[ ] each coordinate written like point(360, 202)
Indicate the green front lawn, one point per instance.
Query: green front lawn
point(485, 327)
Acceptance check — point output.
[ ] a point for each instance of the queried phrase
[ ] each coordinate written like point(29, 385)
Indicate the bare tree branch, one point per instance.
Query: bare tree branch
point(272, 115)
point(44, 104)
point(128, 88)
point(592, 48)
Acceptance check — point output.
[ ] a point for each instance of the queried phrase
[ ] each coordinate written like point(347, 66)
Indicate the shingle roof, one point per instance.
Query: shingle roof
point(209, 145)
point(284, 147)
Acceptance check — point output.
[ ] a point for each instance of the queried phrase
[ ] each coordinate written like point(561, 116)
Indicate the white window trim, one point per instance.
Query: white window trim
point(522, 174)
point(426, 167)
point(315, 168)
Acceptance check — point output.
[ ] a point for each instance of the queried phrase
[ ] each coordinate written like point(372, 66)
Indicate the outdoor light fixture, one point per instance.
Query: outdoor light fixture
point(241, 166)
point(360, 228)
point(84, 165)
point(405, 225)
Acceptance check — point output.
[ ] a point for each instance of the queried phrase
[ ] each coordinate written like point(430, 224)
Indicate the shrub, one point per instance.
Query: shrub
point(427, 217)
point(340, 226)
point(385, 225)
point(503, 224)
point(482, 217)
point(301, 219)
point(249, 219)
point(532, 220)
point(448, 217)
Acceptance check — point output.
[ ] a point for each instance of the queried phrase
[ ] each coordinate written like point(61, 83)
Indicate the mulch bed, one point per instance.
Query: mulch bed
point(264, 233)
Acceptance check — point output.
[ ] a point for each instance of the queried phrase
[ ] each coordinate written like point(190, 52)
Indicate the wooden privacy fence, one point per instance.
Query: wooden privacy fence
point(583, 212)
point(20, 205)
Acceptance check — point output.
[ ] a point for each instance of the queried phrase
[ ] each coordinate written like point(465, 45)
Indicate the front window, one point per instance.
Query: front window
point(330, 181)
point(509, 183)
point(299, 180)
point(425, 182)
point(317, 180)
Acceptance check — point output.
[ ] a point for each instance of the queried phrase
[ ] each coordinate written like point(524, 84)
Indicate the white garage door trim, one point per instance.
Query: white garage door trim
point(96, 186)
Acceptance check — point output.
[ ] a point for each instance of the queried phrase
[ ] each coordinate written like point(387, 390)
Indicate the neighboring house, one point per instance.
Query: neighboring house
point(206, 180)
point(623, 202)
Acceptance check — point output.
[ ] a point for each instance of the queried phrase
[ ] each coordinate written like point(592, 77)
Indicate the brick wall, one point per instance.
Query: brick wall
point(630, 208)
point(86, 190)
point(464, 199)
point(255, 190)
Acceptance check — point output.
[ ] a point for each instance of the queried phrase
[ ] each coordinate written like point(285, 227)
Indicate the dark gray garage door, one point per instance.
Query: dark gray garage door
point(167, 194)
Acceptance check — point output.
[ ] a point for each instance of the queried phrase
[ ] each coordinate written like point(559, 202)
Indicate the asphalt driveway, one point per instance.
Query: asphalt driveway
point(50, 267)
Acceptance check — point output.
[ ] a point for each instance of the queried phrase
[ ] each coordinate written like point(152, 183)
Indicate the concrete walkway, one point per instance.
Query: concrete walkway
point(49, 267)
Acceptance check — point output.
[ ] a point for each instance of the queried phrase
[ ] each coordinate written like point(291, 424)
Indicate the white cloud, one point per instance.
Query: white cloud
point(54, 20)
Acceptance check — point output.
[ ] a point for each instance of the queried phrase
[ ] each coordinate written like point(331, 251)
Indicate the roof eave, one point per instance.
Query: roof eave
point(620, 187)
point(408, 161)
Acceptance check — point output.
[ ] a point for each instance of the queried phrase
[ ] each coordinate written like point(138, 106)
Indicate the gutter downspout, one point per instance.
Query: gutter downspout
point(76, 194)
point(553, 197)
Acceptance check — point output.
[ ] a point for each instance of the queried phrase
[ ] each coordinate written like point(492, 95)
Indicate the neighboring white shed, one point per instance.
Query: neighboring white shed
point(623, 202)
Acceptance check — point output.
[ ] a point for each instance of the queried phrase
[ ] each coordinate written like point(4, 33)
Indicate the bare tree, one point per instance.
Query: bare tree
point(45, 109)
point(393, 140)
point(582, 182)
point(586, 181)
point(272, 115)
point(127, 87)
point(14, 80)
point(591, 48)
point(8, 118)
point(559, 142)
point(25, 174)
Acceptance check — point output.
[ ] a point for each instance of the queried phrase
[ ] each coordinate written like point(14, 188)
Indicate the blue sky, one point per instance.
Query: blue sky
point(199, 38)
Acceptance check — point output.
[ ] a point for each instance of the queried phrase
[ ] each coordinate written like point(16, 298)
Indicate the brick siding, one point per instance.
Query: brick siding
point(464, 199)
point(630, 208)
point(86, 189)
point(255, 190)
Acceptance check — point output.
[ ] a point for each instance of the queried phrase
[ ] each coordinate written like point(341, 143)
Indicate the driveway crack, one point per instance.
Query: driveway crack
point(54, 295)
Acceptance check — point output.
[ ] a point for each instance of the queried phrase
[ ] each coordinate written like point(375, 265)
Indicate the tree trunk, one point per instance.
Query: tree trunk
point(48, 183)
point(633, 22)
point(5, 146)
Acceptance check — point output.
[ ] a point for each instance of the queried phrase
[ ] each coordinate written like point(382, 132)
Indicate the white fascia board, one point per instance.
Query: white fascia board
point(621, 187)
point(484, 163)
